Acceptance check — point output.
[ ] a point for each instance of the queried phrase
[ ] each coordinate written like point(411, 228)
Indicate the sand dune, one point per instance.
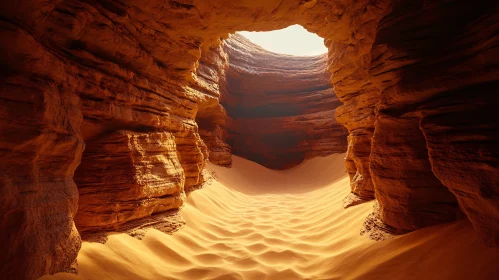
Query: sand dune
point(255, 223)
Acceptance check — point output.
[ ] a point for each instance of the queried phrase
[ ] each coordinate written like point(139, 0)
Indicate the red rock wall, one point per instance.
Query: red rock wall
point(274, 109)
point(409, 194)
point(349, 63)
point(436, 128)
point(125, 176)
point(98, 69)
point(210, 84)
point(280, 108)
point(40, 148)
point(120, 76)
point(76, 73)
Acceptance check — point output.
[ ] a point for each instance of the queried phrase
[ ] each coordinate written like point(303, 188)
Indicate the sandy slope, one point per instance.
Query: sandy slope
point(255, 223)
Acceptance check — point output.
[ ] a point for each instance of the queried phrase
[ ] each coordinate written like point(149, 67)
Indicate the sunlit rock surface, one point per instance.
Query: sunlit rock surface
point(418, 92)
point(127, 176)
point(280, 107)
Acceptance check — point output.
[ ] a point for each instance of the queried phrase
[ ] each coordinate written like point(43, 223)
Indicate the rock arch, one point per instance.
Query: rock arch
point(123, 74)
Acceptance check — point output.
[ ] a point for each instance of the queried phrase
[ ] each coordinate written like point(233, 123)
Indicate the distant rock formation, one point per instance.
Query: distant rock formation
point(123, 98)
point(274, 109)
point(280, 107)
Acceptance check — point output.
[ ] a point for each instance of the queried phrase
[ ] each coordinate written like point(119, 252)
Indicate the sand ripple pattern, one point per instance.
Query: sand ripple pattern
point(255, 223)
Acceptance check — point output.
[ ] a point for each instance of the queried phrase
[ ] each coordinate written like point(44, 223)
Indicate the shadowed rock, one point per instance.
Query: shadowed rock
point(126, 79)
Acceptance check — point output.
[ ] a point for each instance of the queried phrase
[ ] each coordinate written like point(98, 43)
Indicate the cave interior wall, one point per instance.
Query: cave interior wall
point(124, 81)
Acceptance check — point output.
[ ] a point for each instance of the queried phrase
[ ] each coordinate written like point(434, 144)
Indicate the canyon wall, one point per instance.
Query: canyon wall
point(210, 84)
point(434, 151)
point(76, 74)
point(131, 88)
point(273, 109)
point(280, 108)
point(115, 86)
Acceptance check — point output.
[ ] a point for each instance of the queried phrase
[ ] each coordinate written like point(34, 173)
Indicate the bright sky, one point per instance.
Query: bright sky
point(293, 40)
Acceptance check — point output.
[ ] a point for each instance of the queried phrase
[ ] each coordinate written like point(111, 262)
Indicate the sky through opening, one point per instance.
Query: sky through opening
point(293, 40)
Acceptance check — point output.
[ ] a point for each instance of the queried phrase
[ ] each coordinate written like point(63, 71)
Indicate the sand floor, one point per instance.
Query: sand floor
point(255, 223)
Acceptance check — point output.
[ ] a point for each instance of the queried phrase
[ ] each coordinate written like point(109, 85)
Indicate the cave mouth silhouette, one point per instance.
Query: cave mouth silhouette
point(276, 104)
point(293, 40)
point(130, 64)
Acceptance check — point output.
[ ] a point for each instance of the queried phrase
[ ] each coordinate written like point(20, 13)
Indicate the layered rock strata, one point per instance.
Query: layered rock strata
point(40, 149)
point(76, 73)
point(126, 176)
point(210, 84)
point(73, 73)
point(433, 151)
point(280, 108)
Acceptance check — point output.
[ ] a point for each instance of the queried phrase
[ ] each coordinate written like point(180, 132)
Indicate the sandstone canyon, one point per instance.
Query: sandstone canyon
point(111, 110)
point(279, 107)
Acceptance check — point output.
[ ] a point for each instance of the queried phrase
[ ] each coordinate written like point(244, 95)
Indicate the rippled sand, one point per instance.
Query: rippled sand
point(255, 223)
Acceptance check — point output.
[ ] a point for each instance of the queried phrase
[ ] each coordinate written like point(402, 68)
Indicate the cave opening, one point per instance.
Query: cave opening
point(292, 40)
point(169, 95)
point(276, 96)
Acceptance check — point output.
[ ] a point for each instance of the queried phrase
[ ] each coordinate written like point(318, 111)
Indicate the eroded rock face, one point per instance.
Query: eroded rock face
point(89, 70)
point(126, 176)
point(40, 148)
point(273, 109)
point(72, 73)
point(435, 129)
point(409, 194)
point(210, 84)
point(280, 107)
point(123, 78)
